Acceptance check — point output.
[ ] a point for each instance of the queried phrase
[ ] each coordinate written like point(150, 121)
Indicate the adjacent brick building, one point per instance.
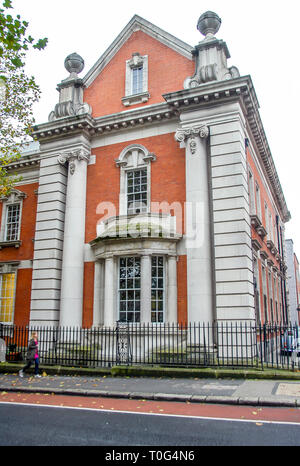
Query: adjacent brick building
point(293, 282)
point(151, 195)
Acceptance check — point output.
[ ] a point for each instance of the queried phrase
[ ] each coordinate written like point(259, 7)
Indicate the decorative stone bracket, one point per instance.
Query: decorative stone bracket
point(71, 156)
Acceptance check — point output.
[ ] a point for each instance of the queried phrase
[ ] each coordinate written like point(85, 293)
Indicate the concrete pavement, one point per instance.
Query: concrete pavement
point(229, 390)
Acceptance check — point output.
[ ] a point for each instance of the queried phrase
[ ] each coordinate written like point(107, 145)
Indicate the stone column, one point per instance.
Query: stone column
point(146, 288)
point(74, 232)
point(197, 223)
point(172, 290)
point(109, 314)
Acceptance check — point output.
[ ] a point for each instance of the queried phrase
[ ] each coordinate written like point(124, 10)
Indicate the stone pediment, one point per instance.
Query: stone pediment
point(137, 24)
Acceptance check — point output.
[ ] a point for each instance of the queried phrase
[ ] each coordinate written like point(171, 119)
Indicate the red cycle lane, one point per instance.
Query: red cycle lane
point(238, 413)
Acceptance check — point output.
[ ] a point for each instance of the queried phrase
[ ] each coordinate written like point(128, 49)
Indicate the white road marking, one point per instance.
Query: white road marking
point(207, 418)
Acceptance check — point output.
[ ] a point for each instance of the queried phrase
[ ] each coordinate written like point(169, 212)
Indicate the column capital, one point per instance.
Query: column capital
point(71, 155)
point(190, 132)
point(172, 255)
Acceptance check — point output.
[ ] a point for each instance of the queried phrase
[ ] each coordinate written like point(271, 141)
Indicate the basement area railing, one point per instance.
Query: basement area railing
point(196, 345)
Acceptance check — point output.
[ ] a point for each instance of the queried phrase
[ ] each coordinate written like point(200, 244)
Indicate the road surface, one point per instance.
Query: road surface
point(56, 420)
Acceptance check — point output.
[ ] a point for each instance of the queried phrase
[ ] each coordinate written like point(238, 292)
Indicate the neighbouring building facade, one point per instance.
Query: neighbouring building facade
point(293, 280)
point(150, 195)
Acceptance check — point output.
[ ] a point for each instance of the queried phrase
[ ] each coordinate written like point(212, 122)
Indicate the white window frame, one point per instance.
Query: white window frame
point(257, 291)
point(265, 294)
point(258, 201)
point(131, 96)
point(137, 85)
point(142, 207)
point(15, 197)
point(152, 289)
point(271, 295)
point(157, 289)
point(133, 289)
point(134, 157)
point(17, 222)
point(267, 220)
point(251, 193)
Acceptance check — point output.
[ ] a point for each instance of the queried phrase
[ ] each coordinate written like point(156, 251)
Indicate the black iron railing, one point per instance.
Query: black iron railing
point(195, 344)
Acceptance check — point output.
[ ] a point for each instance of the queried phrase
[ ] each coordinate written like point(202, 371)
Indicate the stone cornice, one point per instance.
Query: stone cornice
point(240, 89)
point(213, 92)
point(25, 161)
point(140, 116)
point(64, 127)
point(137, 117)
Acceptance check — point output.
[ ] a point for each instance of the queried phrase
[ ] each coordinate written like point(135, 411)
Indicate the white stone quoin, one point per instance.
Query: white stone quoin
point(48, 242)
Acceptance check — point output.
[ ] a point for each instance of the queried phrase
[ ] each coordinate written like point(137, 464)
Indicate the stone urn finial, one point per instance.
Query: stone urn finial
point(208, 24)
point(74, 64)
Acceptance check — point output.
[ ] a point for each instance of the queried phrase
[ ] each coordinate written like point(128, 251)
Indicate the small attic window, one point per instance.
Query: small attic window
point(137, 80)
point(136, 83)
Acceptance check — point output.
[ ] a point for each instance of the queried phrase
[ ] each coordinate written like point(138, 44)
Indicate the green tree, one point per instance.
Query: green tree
point(18, 92)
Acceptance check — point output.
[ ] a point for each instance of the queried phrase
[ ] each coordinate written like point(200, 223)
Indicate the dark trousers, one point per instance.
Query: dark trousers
point(36, 366)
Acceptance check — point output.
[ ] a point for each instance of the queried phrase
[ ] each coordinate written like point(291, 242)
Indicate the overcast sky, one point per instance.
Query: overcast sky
point(263, 41)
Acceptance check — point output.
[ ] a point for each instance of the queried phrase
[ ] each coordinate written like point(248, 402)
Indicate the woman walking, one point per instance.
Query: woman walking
point(32, 356)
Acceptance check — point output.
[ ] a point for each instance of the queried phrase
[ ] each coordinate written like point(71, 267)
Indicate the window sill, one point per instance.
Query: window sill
point(136, 99)
point(10, 244)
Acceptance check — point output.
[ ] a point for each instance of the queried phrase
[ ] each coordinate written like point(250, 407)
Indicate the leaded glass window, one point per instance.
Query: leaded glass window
point(130, 289)
point(12, 222)
point(137, 80)
point(137, 197)
point(157, 289)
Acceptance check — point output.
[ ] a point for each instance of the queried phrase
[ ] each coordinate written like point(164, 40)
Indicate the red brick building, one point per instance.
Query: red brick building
point(151, 195)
